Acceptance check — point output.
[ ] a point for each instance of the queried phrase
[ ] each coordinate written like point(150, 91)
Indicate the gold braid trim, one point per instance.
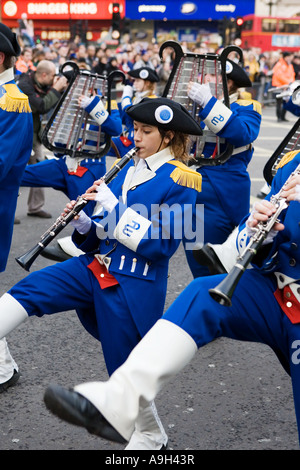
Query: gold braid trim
point(287, 158)
point(256, 105)
point(14, 100)
point(184, 176)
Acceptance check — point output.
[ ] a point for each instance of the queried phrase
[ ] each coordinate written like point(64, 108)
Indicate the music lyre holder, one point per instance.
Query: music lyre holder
point(70, 130)
point(188, 66)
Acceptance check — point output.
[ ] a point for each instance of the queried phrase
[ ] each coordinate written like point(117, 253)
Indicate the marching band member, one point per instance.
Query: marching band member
point(226, 188)
point(119, 293)
point(219, 258)
point(15, 123)
point(265, 309)
point(72, 175)
point(144, 80)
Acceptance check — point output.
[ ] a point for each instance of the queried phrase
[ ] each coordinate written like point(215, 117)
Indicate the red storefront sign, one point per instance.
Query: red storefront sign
point(59, 10)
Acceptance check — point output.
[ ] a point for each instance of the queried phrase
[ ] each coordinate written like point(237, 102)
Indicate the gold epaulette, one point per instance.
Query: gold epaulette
point(256, 104)
point(245, 95)
point(184, 176)
point(14, 100)
point(113, 105)
point(287, 158)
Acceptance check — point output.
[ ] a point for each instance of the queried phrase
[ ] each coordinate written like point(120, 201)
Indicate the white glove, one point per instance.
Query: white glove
point(127, 91)
point(251, 230)
point(201, 94)
point(83, 224)
point(85, 101)
point(106, 197)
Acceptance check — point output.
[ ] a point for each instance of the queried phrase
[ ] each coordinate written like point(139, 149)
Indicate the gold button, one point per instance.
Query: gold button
point(289, 304)
point(134, 260)
point(288, 294)
point(123, 257)
point(102, 275)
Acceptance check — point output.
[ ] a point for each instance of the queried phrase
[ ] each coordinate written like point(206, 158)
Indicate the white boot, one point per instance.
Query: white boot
point(7, 363)
point(12, 314)
point(163, 352)
point(149, 433)
point(69, 247)
point(227, 251)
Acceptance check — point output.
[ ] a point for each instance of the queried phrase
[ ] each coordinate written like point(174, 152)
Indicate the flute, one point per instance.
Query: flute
point(26, 260)
point(223, 292)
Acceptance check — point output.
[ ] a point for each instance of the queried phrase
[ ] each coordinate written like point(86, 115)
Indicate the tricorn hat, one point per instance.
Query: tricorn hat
point(144, 73)
point(237, 74)
point(164, 113)
point(8, 41)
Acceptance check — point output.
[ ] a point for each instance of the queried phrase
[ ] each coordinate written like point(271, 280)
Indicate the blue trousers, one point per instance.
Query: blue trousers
point(72, 286)
point(254, 316)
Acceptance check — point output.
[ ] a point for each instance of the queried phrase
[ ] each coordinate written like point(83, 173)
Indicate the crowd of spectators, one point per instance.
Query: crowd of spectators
point(101, 58)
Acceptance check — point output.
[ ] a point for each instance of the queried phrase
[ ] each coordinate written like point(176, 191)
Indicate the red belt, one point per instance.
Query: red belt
point(289, 303)
point(104, 278)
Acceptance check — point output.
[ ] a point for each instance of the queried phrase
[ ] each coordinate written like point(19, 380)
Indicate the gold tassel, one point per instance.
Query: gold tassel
point(185, 177)
point(256, 105)
point(287, 158)
point(14, 100)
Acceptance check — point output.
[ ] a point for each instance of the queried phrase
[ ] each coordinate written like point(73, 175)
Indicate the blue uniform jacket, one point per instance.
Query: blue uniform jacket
point(239, 126)
point(293, 108)
point(16, 134)
point(54, 173)
point(139, 248)
point(283, 255)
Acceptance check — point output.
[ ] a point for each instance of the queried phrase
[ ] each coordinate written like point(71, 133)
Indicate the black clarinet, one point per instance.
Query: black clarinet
point(223, 292)
point(26, 260)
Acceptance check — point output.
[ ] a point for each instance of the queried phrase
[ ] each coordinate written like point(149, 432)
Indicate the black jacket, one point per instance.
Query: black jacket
point(41, 99)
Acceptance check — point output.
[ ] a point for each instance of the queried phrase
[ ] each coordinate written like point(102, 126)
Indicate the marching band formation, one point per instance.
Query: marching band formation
point(180, 176)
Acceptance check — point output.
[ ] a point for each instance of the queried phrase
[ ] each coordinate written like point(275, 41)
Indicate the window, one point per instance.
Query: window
point(268, 25)
point(289, 26)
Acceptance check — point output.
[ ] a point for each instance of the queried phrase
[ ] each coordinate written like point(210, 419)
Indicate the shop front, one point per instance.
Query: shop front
point(62, 19)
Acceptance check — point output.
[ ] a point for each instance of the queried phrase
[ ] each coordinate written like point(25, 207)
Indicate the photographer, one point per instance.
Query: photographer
point(43, 89)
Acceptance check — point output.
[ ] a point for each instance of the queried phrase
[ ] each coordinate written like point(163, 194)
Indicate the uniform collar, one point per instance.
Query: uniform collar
point(7, 76)
point(146, 173)
point(158, 159)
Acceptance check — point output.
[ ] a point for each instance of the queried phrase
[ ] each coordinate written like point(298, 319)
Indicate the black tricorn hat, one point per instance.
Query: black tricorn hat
point(8, 41)
point(164, 113)
point(145, 73)
point(237, 74)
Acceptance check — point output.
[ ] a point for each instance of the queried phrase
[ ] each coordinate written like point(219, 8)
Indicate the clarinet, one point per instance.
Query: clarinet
point(26, 260)
point(223, 292)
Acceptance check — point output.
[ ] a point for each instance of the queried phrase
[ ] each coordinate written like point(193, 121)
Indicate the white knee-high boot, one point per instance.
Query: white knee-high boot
point(12, 314)
point(163, 352)
point(7, 362)
point(227, 251)
point(149, 433)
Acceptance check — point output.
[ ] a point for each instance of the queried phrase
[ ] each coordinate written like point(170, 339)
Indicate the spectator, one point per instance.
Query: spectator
point(283, 74)
point(144, 60)
point(43, 89)
point(26, 29)
point(296, 65)
point(91, 55)
point(24, 63)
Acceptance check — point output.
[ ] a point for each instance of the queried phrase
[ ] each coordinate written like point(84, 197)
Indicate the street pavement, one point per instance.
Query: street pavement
point(233, 395)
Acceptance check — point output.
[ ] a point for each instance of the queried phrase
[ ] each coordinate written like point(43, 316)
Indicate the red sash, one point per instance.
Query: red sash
point(288, 303)
point(79, 172)
point(102, 275)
